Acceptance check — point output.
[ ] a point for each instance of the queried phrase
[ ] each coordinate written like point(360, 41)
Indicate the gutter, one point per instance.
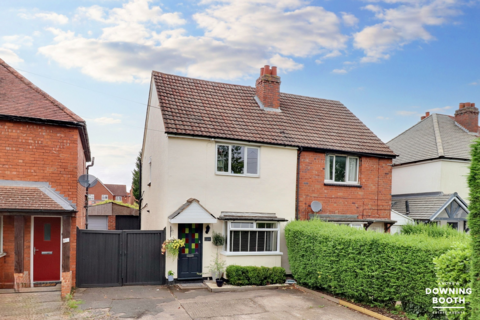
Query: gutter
point(298, 182)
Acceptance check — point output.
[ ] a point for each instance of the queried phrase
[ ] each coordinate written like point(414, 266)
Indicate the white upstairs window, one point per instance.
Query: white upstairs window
point(104, 196)
point(237, 160)
point(341, 169)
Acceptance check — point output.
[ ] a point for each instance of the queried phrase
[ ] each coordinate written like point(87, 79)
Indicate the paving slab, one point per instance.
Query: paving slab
point(45, 305)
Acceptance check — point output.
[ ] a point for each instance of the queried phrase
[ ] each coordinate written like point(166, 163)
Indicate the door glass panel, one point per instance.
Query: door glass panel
point(46, 232)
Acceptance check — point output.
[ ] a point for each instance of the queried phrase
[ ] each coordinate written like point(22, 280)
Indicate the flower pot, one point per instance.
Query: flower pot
point(219, 282)
point(170, 278)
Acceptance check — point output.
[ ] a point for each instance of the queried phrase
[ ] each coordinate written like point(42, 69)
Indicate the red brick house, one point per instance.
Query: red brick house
point(101, 192)
point(43, 150)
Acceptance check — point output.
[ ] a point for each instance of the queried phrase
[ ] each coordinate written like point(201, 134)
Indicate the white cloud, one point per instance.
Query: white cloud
point(339, 71)
point(349, 19)
point(48, 16)
point(9, 56)
point(440, 109)
point(15, 42)
point(401, 25)
point(475, 83)
point(114, 162)
point(238, 37)
point(407, 113)
point(106, 120)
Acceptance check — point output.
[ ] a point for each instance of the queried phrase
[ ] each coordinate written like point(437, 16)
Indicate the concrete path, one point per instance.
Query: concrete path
point(159, 302)
point(38, 305)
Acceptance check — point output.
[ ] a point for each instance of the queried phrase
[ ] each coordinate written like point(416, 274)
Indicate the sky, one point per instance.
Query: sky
point(388, 61)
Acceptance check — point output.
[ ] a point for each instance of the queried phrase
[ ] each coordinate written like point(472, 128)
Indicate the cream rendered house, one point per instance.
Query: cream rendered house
point(194, 184)
point(430, 172)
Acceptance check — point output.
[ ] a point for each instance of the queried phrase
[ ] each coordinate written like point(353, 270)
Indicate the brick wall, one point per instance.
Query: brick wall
point(53, 154)
point(372, 200)
point(111, 222)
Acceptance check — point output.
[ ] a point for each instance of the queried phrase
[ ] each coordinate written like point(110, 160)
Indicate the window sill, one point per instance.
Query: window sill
point(2, 254)
point(237, 175)
point(232, 254)
point(341, 184)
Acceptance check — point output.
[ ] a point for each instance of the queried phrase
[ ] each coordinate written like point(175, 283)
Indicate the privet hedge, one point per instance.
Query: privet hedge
point(474, 225)
point(257, 276)
point(364, 266)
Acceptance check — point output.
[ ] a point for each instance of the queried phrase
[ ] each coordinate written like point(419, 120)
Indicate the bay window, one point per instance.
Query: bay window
point(252, 237)
point(342, 169)
point(237, 160)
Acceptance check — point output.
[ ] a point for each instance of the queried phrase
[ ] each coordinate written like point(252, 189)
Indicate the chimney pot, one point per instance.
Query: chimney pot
point(422, 117)
point(427, 114)
point(467, 104)
point(274, 71)
point(262, 71)
point(267, 70)
point(462, 105)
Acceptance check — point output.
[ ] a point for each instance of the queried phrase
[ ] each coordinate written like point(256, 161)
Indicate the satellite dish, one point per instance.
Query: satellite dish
point(91, 182)
point(316, 206)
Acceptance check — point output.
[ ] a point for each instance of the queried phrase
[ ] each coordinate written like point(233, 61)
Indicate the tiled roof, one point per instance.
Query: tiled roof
point(27, 195)
point(117, 189)
point(19, 97)
point(220, 110)
point(422, 206)
point(436, 136)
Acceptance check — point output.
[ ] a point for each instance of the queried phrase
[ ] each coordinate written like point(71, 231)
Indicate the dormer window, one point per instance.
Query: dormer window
point(237, 160)
point(341, 169)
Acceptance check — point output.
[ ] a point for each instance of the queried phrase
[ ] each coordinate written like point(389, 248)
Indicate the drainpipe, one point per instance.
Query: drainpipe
point(298, 182)
point(140, 193)
point(86, 202)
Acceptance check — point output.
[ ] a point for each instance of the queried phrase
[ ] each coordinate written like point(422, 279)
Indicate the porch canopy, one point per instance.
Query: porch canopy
point(192, 212)
point(253, 216)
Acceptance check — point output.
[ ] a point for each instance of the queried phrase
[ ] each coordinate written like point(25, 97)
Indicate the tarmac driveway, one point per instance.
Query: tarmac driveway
point(160, 302)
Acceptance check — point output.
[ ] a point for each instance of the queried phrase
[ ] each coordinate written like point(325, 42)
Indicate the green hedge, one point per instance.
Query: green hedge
point(370, 267)
point(454, 267)
point(257, 276)
point(431, 230)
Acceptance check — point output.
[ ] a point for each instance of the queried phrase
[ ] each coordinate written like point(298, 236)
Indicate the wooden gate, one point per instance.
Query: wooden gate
point(108, 258)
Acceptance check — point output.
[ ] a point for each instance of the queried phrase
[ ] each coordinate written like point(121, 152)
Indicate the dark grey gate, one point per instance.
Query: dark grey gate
point(127, 223)
point(107, 258)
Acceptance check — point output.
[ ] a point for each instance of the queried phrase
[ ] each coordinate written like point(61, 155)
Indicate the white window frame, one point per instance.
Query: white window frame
point(227, 251)
point(118, 198)
point(245, 174)
point(347, 168)
point(104, 197)
point(91, 197)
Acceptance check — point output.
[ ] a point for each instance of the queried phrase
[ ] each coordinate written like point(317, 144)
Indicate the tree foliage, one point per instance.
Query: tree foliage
point(136, 177)
point(474, 225)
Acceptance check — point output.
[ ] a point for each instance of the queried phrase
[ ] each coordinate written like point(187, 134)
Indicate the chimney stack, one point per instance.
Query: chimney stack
point(427, 114)
point(467, 116)
point(268, 87)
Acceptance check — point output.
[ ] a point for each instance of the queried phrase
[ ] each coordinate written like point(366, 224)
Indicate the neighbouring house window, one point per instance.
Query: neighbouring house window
point(237, 160)
point(91, 197)
point(104, 196)
point(118, 198)
point(253, 237)
point(453, 225)
point(341, 169)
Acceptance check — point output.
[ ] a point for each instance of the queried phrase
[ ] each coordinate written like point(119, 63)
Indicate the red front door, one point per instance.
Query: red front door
point(46, 246)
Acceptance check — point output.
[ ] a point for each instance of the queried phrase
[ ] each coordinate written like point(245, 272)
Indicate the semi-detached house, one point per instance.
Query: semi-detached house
point(242, 161)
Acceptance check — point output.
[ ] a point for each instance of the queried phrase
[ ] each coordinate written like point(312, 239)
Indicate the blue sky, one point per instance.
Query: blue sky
point(388, 61)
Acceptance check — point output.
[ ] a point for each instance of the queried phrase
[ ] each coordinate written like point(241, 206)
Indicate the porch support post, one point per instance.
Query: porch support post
point(19, 226)
point(66, 220)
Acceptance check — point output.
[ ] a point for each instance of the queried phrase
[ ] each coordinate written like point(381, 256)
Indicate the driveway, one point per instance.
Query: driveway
point(160, 302)
point(38, 305)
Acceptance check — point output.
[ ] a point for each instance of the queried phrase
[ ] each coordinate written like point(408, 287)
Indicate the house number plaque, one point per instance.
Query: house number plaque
point(208, 239)
point(190, 255)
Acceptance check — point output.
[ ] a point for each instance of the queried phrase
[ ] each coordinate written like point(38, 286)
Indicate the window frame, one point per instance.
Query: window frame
point(347, 168)
point(245, 174)
point(91, 197)
point(229, 228)
point(103, 197)
point(118, 198)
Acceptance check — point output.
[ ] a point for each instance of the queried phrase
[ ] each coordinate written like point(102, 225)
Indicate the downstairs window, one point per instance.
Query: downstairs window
point(253, 237)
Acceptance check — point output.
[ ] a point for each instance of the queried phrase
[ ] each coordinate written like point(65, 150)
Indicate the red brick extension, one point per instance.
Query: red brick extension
point(111, 222)
point(372, 200)
point(33, 152)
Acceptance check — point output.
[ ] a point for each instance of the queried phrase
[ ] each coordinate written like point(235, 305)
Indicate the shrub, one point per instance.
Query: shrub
point(474, 225)
point(256, 276)
point(454, 266)
point(431, 230)
point(371, 267)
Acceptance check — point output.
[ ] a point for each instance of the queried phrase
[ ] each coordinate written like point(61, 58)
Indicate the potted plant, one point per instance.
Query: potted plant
point(218, 266)
point(170, 275)
point(172, 247)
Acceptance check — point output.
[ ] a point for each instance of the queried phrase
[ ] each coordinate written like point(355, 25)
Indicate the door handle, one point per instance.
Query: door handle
point(35, 250)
